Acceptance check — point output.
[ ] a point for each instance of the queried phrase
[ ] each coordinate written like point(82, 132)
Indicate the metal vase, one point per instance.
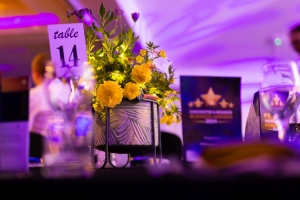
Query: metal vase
point(133, 126)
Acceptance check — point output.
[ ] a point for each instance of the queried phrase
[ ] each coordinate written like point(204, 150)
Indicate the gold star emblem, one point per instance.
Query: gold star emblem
point(268, 115)
point(210, 98)
point(275, 101)
point(223, 103)
point(198, 103)
point(190, 104)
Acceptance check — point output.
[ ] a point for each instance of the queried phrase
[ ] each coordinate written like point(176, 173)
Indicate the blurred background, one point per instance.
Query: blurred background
point(231, 38)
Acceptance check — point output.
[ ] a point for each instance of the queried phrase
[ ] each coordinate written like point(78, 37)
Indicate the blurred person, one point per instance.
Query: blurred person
point(39, 107)
point(253, 128)
point(294, 35)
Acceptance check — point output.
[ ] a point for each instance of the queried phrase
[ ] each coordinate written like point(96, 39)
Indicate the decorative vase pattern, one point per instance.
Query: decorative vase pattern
point(131, 127)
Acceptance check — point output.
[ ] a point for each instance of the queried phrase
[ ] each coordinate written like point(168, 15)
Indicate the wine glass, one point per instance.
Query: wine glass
point(279, 94)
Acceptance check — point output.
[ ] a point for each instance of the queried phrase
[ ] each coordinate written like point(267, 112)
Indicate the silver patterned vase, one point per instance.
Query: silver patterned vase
point(133, 126)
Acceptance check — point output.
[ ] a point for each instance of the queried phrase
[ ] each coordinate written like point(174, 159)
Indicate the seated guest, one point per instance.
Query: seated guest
point(39, 106)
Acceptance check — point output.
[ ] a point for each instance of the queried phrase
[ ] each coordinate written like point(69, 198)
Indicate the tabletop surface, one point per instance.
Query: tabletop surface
point(142, 182)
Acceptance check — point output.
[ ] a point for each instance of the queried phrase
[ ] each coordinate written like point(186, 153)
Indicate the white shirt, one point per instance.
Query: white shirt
point(39, 109)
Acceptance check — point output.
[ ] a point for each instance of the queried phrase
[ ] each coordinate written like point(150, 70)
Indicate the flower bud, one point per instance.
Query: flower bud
point(135, 16)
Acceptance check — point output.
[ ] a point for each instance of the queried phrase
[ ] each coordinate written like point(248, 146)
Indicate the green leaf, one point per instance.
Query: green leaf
point(105, 46)
point(111, 59)
point(111, 17)
point(117, 45)
point(96, 28)
point(107, 15)
point(90, 31)
point(106, 33)
point(112, 31)
point(102, 10)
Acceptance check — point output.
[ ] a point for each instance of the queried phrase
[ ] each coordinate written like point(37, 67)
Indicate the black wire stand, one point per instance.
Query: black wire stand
point(107, 158)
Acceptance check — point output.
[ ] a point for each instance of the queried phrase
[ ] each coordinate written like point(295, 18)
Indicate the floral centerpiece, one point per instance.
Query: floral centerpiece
point(120, 73)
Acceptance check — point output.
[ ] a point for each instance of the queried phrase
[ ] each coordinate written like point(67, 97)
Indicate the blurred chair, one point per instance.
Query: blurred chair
point(171, 147)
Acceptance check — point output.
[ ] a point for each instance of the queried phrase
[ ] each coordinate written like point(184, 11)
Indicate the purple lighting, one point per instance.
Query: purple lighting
point(5, 68)
point(87, 19)
point(28, 20)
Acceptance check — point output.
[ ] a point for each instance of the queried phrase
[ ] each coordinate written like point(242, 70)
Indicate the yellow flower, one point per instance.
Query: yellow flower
point(139, 59)
point(164, 119)
point(151, 64)
point(142, 52)
point(167, 119)
point(172, 80)
point(141, 73)
point(162, 54)
point(167, 93)
point(131, 90)
point(171, 119)
point(97, 107)
point(117, 76)
point(110, 94)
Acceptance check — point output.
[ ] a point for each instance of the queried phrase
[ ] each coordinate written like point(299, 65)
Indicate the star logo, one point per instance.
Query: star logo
point(267, 115)
point(231, 105)
point(276, 101)
point(198, 103)
point(190, 104)
point(211, 98)
point(223, 103)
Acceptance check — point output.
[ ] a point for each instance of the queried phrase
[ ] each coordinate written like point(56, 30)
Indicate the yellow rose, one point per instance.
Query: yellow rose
point(110, 94)
point(139, 59)
point(131, 90)
point(162, 54)
point(142, 52)
point(141, 73)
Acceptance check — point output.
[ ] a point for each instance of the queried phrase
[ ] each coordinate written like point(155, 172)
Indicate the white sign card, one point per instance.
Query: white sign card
point(68, 49)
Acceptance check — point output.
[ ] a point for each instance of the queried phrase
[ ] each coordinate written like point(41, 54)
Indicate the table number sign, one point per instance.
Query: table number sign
point(68, 49)
point(211, 112)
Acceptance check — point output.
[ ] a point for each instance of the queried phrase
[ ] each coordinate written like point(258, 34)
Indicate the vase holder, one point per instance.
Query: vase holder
point(133, 127)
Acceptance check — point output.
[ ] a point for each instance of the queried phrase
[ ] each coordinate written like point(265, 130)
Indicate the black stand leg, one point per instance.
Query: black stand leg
point(107, 154)
point(153, 135)
point(159, 135)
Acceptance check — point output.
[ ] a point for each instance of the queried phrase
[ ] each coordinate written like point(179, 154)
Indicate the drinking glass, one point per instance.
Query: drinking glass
point(70, 126)
point(279, 94)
